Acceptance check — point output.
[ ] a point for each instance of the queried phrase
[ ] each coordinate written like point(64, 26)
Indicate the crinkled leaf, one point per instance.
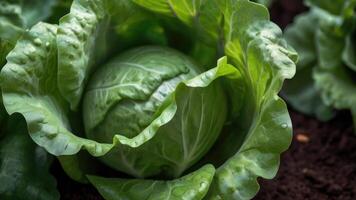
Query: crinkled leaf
point(31, 72)
point(258, 157)
point(78, 47)
point(24, 166)
point(193, 186)
point(265, 61)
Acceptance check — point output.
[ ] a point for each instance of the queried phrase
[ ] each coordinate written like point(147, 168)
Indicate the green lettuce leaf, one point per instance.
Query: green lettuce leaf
point(192, 186)
point(265, 60)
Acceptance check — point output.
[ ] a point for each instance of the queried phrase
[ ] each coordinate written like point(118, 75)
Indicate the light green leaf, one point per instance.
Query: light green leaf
point(193, 186)
point(264, 60)
point(78, 47)
point(203, 16)
point(31, 73)
point(258, 157)
point(24, 166)
point(159, 6)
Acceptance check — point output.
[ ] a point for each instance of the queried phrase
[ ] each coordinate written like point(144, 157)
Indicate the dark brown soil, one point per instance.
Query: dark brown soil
point(283, 11)
point(320, 164)
point(71, 190)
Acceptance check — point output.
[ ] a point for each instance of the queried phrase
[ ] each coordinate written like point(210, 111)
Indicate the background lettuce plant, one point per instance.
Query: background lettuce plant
point(202, 121)
point(324, 37)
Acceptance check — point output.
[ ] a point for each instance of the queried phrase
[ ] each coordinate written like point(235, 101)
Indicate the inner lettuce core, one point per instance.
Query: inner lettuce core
point(125, 95)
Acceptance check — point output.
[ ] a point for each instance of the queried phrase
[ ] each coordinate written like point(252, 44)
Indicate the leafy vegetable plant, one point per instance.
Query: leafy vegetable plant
point(325, 39)
point(179, 97)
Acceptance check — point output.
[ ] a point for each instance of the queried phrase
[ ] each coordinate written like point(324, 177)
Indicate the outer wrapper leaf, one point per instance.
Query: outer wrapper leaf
point(192, 186)
point(253, 50)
